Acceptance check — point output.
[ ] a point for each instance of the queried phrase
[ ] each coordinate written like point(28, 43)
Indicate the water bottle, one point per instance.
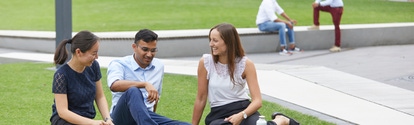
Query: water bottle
point(261, 120)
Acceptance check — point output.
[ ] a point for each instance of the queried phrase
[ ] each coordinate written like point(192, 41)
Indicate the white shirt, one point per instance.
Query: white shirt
point(221, 90)
point(267, 11)
point(331, 3)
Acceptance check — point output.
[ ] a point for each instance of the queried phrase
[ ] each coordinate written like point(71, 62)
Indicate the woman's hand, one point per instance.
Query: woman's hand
point(98, 122)
point(235, 119)
point(108, 122)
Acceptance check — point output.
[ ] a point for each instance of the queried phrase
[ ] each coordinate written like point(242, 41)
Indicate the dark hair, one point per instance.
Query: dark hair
point(235, 49)
point(84, 40)
point(145, 35)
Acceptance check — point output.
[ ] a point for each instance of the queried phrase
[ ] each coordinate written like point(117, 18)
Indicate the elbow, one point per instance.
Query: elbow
point(63, 115)
point(258, 103)
point(114, 88)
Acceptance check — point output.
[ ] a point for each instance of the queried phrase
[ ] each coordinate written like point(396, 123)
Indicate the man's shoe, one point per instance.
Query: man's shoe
point(295, 50)
point(285, 53)
point(314, 27)
point(335, 49)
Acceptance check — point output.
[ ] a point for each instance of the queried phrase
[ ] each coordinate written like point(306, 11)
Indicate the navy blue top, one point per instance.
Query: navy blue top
point(80, 88)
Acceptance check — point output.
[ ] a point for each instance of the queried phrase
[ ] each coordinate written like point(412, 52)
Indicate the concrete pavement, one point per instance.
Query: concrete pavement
point(373, 77)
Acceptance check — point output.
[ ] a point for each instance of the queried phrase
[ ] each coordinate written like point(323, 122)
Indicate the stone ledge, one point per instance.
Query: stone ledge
point(194, 42)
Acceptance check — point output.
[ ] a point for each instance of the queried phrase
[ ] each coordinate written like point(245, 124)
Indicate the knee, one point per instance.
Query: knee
point(133, 90)
point(282, 27)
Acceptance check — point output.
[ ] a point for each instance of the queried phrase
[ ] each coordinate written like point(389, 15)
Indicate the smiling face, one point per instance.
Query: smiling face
point(144, 52)
point(218, 47)
point(89, 56)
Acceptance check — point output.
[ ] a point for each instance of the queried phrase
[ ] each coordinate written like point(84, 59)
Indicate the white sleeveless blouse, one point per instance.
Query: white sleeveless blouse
point(221, 90)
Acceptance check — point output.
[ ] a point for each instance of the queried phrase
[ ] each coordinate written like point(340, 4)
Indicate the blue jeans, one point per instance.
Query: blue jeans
point(270, 26)
point(131, 110)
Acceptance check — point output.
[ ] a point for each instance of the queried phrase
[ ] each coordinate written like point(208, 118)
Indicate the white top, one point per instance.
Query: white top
point(267, 11)
point(221, 90)
point(331, 3)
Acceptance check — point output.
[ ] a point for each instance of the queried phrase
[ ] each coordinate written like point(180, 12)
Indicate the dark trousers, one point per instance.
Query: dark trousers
point(218, 114)
point(56, 120)
point(336, 13)
point(131, 110)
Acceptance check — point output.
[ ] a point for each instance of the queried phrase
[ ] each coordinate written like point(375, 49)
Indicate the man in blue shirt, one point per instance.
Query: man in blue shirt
point(136, 84)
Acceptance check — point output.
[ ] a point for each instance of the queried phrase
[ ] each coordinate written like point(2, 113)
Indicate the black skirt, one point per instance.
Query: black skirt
point(218, 114)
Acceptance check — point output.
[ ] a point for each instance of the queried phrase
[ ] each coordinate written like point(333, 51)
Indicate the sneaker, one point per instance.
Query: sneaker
point(295, 50)
point(335, 49)
point(314, 27)
point(285, 53)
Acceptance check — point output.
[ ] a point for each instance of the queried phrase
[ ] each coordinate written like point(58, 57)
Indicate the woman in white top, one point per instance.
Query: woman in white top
point(222, 79)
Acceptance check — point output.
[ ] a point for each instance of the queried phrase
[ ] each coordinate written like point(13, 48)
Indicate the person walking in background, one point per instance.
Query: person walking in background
point(223, 77)
point(77, 83)
point(136, 84)
point(267, 21)
point(335, 7)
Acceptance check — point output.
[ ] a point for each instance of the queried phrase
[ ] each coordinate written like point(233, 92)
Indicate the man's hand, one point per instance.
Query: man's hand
point(294, 22)
point(289, 24)
point(314, 5)
point(152, 93)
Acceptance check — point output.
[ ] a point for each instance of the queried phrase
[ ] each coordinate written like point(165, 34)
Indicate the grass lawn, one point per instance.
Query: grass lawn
point(26, 96)
point(131, 15)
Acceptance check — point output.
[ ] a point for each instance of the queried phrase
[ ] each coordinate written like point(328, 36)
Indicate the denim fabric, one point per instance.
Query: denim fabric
point(270, 26)
point(131, 110)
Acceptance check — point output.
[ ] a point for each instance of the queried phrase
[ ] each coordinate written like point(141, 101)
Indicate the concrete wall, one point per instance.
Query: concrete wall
point(356, 37)
point(46, 45)
point(195, 42)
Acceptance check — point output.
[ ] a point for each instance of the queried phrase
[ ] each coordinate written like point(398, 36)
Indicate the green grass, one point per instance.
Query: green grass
point(131, 15)
point(26, 96)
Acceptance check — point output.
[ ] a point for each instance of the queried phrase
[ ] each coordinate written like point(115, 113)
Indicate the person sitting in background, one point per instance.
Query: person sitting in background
point(267, 21)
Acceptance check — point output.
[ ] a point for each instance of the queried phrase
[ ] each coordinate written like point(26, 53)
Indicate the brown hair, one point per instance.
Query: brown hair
point(84, 40)
point(234, 47)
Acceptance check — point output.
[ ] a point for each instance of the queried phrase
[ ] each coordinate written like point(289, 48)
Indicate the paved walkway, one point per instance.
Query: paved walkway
point(312, 82)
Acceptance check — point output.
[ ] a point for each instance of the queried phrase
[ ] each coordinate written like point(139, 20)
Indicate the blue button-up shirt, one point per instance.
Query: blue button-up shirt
point(126, 68)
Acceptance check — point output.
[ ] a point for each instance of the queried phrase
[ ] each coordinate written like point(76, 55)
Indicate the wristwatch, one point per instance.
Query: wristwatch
point(244, 115)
